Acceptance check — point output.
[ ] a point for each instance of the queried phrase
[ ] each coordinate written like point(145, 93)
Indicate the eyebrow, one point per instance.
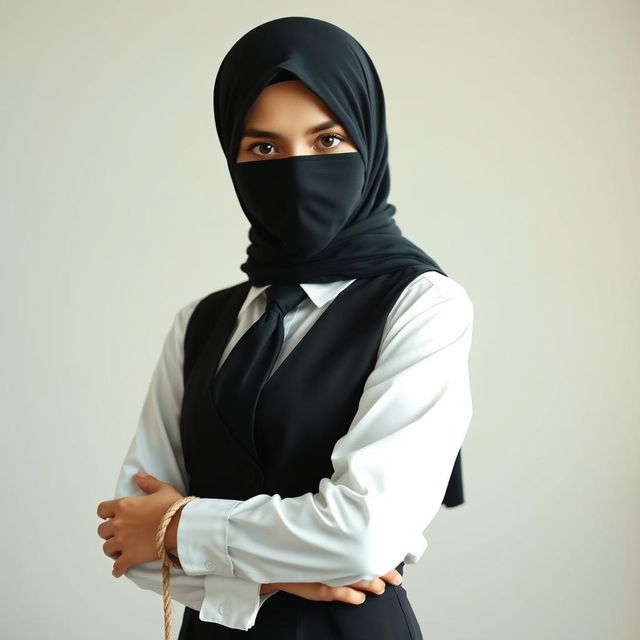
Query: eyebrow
point(259, 133)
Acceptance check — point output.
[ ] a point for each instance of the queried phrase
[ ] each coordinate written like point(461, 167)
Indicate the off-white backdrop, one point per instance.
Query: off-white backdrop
point(514, 138)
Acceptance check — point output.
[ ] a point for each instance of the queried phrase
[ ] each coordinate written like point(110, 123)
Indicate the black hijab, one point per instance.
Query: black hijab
point(314, 218)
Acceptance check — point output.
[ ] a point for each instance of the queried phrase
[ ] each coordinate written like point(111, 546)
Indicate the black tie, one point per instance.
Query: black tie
point(238, 383)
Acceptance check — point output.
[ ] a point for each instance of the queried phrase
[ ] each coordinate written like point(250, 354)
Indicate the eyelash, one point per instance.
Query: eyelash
point(324, 135)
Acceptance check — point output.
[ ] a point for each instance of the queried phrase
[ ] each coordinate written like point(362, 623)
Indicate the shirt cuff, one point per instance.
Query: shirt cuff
point(202, 537)
point(232, 602)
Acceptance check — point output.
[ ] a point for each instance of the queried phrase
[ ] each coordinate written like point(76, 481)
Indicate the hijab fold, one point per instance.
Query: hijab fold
point(297, 234)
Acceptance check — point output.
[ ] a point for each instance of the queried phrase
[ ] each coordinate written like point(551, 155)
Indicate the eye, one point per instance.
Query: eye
point(332, 136)
point(261, 144)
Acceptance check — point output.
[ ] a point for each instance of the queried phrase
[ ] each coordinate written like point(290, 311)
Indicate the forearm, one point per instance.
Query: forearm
point(391, 471)
point(171, 544)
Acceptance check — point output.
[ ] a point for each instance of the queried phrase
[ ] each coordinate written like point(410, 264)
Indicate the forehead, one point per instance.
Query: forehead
point(293, 105)
point(287, 106)
point(287, 98)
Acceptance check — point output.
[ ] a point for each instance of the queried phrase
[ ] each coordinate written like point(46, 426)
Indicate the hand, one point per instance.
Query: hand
point(352, 594)
point(132, 523)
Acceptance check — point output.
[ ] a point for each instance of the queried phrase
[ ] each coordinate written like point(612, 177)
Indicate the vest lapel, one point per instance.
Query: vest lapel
point(218, 340)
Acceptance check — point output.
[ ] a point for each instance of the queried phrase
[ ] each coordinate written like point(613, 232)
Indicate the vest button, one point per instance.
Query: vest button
point(210, 564)
point(223, 608)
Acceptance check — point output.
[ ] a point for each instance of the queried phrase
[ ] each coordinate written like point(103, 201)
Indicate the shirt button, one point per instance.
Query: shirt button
point(210, 564)
point(223, 608)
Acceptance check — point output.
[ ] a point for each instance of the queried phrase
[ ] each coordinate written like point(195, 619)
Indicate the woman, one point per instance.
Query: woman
point(317, 409)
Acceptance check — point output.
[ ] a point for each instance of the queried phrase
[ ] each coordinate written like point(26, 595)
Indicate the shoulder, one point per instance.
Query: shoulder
point(432, 304)
point(201, 309)
point(184, 313)
point(431, 288)
point(205, 301)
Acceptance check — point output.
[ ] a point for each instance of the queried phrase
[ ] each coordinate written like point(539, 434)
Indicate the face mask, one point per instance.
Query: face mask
point(304, 201)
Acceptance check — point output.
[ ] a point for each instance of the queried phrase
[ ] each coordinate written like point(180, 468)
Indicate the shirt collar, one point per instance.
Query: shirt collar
point(319, 292)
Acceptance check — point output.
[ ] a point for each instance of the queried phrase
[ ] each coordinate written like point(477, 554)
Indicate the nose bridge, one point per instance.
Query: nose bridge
point(300, 148)
point(298, 145)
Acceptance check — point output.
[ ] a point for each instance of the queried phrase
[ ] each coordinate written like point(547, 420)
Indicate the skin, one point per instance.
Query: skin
point(285, 112)
point(130, 530)
point(278, 125)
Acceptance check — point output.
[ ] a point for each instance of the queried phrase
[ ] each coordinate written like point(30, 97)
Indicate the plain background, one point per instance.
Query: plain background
point(514, 139)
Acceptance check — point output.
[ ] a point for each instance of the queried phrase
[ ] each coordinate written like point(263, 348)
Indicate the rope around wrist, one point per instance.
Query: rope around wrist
point(167, 560)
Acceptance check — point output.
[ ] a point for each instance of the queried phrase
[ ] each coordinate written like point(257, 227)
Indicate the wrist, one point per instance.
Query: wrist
point(171, 534)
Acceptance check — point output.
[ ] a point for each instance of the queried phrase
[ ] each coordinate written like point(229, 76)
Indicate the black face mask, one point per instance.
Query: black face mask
point(303, 201)
point(315, 218)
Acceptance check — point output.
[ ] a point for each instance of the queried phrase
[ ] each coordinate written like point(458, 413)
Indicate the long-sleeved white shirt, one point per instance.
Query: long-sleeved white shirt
point(391, 468)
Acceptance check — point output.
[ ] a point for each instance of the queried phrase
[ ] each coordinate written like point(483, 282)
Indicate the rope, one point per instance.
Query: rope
point(167, 559)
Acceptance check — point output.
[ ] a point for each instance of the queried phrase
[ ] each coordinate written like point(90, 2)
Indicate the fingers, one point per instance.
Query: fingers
point(343, 594)
point(107, 509)
point(351, 594)
point(392, 577)
point(106, 529)
point(376, 586)
point(120, 566)
point(321, 592)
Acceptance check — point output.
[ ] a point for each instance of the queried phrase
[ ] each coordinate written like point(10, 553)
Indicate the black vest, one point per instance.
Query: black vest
point(306, 405)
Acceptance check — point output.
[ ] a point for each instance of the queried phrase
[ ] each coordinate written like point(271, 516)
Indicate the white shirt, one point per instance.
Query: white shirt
point(391, 468)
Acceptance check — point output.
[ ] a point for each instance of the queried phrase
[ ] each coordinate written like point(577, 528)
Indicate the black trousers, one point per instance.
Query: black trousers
point(285, 616)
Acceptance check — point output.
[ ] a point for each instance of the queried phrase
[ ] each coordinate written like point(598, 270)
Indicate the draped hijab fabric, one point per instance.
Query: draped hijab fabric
point(298, 232)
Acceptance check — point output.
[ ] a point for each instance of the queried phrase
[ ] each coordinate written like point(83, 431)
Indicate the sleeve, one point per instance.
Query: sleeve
point(391, 468)
point(156, 448)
